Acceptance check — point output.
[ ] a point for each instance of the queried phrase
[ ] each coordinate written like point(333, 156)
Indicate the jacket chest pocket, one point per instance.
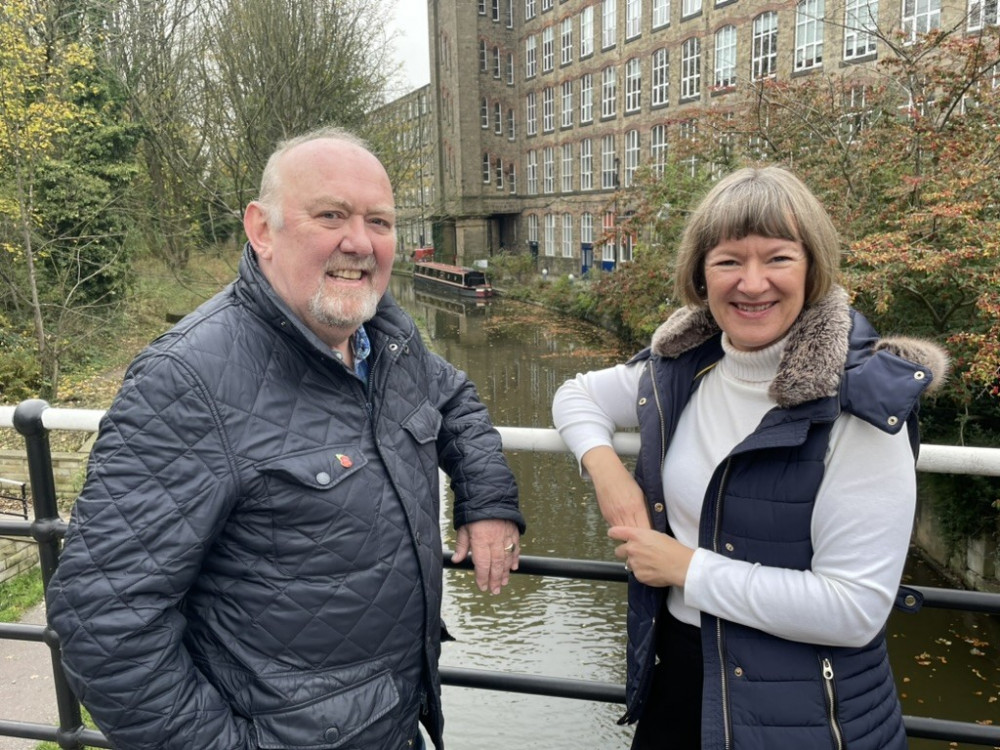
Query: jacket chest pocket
point(323, 510)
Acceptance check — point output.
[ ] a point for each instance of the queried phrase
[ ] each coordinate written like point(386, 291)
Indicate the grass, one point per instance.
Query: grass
point(19, 594)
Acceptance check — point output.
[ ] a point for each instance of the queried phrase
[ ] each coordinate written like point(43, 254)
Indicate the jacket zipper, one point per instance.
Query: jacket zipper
point(727, 731)
point(663, 454)
point(830, 690)
point(659, 413)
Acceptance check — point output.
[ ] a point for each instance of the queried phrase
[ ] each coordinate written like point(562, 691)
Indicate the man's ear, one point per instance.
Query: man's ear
point(257, 225)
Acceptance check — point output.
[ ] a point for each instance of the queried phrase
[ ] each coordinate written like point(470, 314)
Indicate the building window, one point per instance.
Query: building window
point(486, 168)
point(567, 236)
point(661, 13)
point(532, 173)
point(497, 64)
point(511, 125)
point(809, 34)
point(661, 78)
point(725, 57)
point(484, 62)
point(498, 119)
point(609, 237)
point(484, 114)
point(532, 228)
point(510, 15)
point(982, 13)
point(510, 68)
point(609, 165)
point(548, 170)
point(548, 110)
point(529, 9)
point(531, 114)
point(633, 18)
point(546, 5)
point(566, 40)
point(482, 7)
point(920, 16)
point(587, 31)
point(512, 179)
point(658, 148)
point(587, 98)
point(586, 228)
point(860, 24)
point(633, 85)
point(586, 165)
point(764, 48)
point(567, 104)
point(631, 156)
point(550, 235)
point(687, 130)
point(690, 8)
point(691, 68)
point(530, 64)
point(499, 173)
point(567, 168)
point(609, 25)
point(548, 50)
point(609, 91)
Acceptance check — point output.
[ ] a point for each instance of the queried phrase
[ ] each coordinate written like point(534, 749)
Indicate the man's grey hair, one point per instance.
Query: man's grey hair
point(270, 182)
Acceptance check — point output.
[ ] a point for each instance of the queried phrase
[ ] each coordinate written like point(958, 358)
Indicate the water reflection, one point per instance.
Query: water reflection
point(946, 663)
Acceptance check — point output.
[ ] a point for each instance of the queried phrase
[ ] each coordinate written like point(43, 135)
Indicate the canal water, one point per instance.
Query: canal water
point(947, 664)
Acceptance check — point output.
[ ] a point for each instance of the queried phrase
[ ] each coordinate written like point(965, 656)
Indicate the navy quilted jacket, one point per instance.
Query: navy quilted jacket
point(762, 692)
point(255, 559)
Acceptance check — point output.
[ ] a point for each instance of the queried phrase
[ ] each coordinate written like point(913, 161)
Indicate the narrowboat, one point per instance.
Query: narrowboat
point(468, 282)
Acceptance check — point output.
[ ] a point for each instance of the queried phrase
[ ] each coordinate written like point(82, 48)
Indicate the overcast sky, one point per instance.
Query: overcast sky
point(411, 45)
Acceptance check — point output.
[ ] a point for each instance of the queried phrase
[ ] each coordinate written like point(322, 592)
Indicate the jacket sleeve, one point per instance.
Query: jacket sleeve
point(160, 485)
point(470, 451)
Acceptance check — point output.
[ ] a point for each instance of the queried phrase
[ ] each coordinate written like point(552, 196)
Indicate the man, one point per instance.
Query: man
point(255, 559)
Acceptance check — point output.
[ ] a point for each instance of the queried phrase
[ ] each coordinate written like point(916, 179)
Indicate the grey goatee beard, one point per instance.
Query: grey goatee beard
point(343, 311)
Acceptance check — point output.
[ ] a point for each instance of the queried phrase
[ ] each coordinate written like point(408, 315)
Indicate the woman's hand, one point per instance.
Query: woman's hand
point(619, 496)
point(654, 558)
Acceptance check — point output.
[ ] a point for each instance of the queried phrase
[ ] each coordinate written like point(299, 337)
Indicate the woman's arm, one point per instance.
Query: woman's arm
point(861, 529)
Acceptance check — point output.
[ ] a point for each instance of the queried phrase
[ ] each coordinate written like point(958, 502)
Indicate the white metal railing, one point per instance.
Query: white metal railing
point(934, 459)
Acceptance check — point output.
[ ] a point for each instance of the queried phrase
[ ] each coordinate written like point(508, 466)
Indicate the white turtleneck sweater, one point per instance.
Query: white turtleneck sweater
point(861, 521)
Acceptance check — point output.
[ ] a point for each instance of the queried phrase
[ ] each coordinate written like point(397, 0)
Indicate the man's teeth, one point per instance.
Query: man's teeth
point(347, 274)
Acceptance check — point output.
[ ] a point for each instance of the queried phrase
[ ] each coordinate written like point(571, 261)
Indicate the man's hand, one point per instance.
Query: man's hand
point(495, 548)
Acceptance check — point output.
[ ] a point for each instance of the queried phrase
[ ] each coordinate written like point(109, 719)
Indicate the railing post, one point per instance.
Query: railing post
point(47, 528)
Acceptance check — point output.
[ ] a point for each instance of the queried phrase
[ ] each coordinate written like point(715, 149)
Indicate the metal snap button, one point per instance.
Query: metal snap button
point(322, 477)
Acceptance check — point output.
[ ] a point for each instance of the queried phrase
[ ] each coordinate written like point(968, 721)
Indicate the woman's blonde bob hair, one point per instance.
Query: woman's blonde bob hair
point(766, 201)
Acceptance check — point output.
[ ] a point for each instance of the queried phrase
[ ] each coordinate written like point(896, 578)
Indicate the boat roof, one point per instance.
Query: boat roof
point(446, 266)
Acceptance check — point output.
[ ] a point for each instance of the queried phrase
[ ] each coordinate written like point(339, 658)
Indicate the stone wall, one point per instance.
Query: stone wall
point(67, 469)
point(17, 554)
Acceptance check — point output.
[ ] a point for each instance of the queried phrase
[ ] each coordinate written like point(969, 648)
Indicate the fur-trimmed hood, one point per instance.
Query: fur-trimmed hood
point(817, 352)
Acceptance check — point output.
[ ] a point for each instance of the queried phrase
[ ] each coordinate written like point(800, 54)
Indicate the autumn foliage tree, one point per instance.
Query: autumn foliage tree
point(905, 156)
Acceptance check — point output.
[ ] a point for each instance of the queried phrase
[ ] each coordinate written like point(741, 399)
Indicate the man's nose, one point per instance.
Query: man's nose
point(355, 238)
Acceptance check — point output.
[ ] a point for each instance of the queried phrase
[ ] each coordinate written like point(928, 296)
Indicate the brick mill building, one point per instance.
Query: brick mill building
point(540, 111)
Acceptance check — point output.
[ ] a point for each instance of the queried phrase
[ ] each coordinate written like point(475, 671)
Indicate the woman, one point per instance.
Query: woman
point(767, 523)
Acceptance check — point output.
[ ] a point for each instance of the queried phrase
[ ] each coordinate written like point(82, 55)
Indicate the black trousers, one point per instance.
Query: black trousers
point(671, 719)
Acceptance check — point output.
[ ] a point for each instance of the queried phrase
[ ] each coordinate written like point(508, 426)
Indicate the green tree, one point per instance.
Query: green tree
point(64, 166)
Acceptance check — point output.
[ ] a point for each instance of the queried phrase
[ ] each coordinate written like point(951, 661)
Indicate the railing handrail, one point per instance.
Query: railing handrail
point(933, 459)
point(34, 419)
